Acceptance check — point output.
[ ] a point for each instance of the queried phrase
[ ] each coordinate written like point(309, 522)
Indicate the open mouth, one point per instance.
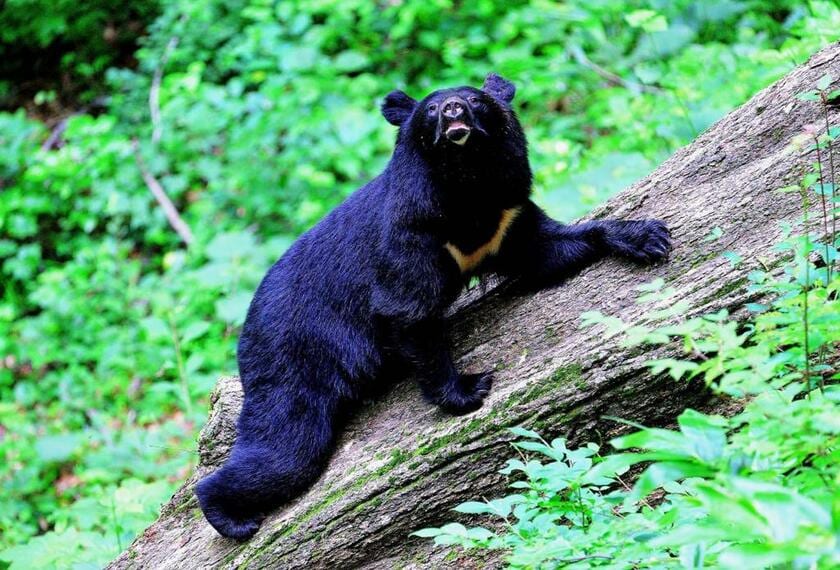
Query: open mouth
point(458, 133)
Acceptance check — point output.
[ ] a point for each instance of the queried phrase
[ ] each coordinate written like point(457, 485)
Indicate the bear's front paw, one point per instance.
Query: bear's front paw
point(468, 394)
point(644, 241)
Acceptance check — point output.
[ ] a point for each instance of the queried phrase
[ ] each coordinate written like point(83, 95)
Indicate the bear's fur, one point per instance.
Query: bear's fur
point(368, 286)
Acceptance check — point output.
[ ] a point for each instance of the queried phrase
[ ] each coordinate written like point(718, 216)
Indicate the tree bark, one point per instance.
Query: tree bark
point(401, 465)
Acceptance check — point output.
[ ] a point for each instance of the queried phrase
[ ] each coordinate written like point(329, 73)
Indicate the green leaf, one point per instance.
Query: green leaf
point(692, 556)
point(757, 555)
point(454, 528)
point(351, 60)
point(522, 432)
point(503, 506)
point(648, 20)
point(57, 549)
point(427, 532)
point(449, 539)
point(534, 446)
point(715, 234)
point(824, 82)
point(156, 329)
point(661, 473)
point(480, 534)
point(823, 189)
point(808, 96)
point(707, 434)
point(230, 245)
point(648, 73)
point(474, 508)
point(657, 24)
point(57, 448)
point(697, 533)
point(676, 368)
point(733, 258)
point(193, 331)
point(655, 439)
point(605, 471)
point(232, 309)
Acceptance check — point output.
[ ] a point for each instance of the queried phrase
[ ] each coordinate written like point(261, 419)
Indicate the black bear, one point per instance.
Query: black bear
point(369, 284)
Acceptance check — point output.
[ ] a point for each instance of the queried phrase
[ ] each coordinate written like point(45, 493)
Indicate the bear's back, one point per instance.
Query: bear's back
point(318, 293)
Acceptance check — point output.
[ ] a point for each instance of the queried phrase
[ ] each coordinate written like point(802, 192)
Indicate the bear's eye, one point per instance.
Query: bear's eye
point(432, 108)
point(473, 100)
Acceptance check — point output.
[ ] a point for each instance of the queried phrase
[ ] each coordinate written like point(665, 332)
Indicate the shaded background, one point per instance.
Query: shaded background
point(257, 117)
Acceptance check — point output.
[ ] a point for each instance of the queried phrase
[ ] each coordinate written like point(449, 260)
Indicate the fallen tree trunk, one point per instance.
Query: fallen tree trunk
point(401, 464)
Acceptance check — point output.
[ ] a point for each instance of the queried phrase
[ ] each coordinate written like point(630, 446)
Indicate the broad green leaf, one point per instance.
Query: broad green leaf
point(808, 96)
point(707, 434)
point(522, 432)
point(193, 331)
point(675, 368)
point(733, 258)
point(232, 309)
point(57, 448)
point(824, 82)
point(715, 234)
point(472, 507)
point(658, 474)
point(426, 532)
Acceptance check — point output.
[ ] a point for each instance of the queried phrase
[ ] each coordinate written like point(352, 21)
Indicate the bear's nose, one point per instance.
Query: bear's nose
point(453, 107)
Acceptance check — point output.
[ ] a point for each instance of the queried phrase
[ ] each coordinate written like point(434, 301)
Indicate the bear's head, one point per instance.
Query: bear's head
point(453, 121)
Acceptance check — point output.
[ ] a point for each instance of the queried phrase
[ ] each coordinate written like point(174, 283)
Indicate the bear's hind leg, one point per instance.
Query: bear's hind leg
point(284, 439)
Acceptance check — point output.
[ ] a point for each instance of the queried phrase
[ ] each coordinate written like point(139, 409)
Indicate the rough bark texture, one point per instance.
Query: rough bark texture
point(401, 465)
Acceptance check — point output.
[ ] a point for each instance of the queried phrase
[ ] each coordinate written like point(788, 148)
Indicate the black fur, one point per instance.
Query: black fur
point(370, 283)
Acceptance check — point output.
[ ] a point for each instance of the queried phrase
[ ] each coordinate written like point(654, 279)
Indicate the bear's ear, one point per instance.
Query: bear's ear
point(499, 87)
point(397, 107)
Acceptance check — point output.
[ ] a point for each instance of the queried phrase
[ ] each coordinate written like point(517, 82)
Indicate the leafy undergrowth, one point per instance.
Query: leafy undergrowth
point(759, 489)
point(112, 331)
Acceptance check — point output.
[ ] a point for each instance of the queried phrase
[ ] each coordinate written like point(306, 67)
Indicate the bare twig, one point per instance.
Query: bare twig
point(179, 358)
point(580, 57)
point(567, 561)
point(829, 144)
point(166, 204)
point(55, 136)
point(629, 489)
point(169, 210)
point(54, 140)
point(154, 92)
point(829, 235)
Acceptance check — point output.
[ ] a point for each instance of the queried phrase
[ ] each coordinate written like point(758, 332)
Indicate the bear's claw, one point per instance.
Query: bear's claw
point(469, 394)
point(644, 241)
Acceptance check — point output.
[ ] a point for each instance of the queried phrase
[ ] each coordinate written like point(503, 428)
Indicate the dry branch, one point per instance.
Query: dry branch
point(612, 78)
point(169, 209)
point(157, 78)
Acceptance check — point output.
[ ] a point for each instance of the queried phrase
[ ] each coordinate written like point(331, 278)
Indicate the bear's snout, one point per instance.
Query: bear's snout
point(455, 120)
point(453, 108)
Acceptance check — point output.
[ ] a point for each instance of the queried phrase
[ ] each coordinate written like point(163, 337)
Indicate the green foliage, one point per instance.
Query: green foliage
point(755, 490)
point(69, 43)
point(264, 117)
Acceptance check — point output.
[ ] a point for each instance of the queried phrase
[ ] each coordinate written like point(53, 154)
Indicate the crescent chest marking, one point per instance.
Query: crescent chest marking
point(468, 262)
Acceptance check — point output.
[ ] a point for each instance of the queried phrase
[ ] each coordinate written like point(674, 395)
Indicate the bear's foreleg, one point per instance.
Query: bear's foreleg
point(541, 252)
point(425, 346)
